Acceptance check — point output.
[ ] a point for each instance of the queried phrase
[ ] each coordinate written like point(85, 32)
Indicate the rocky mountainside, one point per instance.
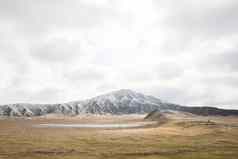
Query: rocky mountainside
point(121, 102)
point(117, 102)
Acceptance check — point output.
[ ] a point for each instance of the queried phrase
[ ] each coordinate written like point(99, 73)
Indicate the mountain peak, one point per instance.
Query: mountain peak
point(119, 94)
point(123, 101)
point(122, 92)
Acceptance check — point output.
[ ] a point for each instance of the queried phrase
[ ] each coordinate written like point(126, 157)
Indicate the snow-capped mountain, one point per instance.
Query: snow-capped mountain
point(121, 102)
point(117, 102)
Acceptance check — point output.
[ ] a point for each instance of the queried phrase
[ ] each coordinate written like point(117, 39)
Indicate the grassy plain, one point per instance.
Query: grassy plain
point(182, 137)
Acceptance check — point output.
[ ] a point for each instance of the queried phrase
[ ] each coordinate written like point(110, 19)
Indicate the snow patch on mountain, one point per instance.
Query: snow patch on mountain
point(117, 102)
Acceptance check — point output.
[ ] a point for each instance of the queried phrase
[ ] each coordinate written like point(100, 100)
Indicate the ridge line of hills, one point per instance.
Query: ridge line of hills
point(117, 103)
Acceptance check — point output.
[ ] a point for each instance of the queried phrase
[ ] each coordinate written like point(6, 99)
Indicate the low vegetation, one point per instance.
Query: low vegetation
point(180, 137)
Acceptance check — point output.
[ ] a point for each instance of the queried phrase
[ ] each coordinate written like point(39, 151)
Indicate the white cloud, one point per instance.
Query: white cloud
point(183, 51)
point(56, 50)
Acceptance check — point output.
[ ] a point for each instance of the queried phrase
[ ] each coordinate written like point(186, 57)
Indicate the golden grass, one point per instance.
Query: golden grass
point(181, 137)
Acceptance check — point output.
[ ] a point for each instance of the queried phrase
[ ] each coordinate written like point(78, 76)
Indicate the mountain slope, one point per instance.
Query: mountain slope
point(121, 102)
point(156, 115)
point(117, 102)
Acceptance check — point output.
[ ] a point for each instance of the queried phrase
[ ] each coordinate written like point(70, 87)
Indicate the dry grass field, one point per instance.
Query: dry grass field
point(182, 137)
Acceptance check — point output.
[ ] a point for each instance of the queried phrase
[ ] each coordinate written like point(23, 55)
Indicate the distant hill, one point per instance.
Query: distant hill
point(117, 102)
point(203, 110)
point(156, 115)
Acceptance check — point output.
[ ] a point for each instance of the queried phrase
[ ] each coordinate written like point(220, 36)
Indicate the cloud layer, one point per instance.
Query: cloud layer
point(183, 52)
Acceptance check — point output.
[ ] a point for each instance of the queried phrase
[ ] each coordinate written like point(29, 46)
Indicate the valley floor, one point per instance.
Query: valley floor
point(182, 137)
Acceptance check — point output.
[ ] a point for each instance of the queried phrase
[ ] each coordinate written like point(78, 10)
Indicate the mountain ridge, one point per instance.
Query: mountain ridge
point(118, 102)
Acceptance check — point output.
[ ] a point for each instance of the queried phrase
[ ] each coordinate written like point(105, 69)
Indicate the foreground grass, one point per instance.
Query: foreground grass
point(176, 139)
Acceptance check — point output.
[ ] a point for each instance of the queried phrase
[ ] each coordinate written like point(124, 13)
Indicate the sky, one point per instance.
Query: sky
point(183, 52)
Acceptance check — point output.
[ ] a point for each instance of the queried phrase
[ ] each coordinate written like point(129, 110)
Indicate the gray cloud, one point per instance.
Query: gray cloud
point(169, 71)
point(83, 75)
point(37, 17)
point(169, 94)
point(225, 61)
point(18, 95)
point(216, 18)
point(138, 76)
point(56, 50)
point(222, 80)
point(48, 95)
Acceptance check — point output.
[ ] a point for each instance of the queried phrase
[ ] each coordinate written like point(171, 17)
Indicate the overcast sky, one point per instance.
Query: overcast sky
point(183, 51)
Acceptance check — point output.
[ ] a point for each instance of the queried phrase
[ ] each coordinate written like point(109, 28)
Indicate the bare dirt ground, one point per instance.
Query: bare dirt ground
point(184, 136)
